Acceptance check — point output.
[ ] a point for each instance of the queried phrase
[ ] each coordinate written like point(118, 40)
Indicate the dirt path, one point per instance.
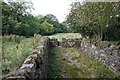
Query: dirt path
point(72, 63)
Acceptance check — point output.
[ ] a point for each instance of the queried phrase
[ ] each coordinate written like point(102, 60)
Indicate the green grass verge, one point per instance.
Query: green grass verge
point(54, 65)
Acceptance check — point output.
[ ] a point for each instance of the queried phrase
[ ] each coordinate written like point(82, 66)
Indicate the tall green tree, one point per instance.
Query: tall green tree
point(16, 18)
point(53, 20)
point(93, 19)
point(46, 28)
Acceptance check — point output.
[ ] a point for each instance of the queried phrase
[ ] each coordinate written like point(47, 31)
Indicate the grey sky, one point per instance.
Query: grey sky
point(59, 8)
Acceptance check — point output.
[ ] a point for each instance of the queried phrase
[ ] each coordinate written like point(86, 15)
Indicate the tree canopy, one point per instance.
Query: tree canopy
point(96, 19)
point(99, 20)
point(17, 19)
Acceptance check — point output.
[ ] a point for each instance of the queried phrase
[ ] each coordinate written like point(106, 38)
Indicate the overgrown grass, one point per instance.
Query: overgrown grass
point(88, 68)
point(66, 35)
point(14, 54)
point(54, 65)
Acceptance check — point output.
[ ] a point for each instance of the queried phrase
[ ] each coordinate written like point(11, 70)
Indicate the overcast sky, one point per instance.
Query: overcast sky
point(59, 8)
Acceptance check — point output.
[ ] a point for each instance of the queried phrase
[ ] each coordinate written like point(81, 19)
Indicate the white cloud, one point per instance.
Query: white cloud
point(59, 8)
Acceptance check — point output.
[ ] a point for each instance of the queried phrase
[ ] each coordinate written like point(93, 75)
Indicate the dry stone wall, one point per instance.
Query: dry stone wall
point(108, 54)
point(105, 55)
point(35, 66)
point(66, 42)
point(71, 42)
point(54, 42)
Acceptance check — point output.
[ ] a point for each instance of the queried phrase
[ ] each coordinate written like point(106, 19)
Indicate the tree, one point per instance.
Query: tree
point(93, 19)
point(51, 18)
point(40, 19)
point(46, 28)
point(54, 21)
point(17, 19)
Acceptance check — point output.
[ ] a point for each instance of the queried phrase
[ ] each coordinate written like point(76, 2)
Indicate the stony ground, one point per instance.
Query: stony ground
point(73, 63)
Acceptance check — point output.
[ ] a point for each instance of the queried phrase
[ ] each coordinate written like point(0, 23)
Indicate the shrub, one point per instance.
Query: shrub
point(46, 28)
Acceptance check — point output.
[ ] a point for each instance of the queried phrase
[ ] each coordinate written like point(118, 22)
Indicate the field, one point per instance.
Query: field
point(14, 53)
point(66, 35)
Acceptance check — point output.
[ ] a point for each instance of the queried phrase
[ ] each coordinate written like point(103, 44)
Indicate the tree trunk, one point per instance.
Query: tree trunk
point(103, 36)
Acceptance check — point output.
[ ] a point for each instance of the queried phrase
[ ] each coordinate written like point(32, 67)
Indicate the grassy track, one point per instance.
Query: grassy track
point(54, 63)
point(71, 63)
